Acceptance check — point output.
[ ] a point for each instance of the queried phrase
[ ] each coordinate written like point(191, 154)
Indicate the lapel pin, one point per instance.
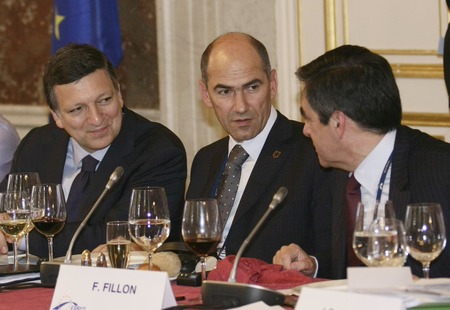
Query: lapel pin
point(276, 154)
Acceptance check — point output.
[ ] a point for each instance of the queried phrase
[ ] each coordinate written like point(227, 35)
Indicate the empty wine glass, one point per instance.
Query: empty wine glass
point(48, 211)
point(24, 182)
point(425, 233)
point(365, 242)
point(149, 218)
point(201, 228)
point(14, 218)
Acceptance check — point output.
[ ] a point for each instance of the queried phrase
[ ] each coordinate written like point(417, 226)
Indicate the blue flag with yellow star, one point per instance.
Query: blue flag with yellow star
point(95, 22)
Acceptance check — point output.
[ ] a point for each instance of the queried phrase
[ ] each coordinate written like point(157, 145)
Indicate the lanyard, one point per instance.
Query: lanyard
point(382, 179)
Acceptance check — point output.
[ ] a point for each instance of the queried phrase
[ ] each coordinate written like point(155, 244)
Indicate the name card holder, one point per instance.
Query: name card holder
point(364, 290)
point(329, 299)
point(110, 288)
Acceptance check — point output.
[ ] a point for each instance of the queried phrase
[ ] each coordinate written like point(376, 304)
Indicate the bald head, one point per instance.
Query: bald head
point(234, 45)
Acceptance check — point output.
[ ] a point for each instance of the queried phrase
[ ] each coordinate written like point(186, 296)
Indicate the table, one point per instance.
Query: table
point(41, 298)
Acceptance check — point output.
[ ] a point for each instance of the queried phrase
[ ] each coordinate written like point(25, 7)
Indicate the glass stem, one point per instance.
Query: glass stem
point(27, 249)
point(150, 263)
point(50, 249)
point(426, 270)
point(203, 264)
point(15, 254)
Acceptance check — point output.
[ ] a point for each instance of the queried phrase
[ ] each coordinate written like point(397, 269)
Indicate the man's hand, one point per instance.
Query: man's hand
point(293, 257)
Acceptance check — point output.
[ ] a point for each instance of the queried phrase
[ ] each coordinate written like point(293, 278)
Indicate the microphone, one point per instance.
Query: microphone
point(232, 294)
point(49, 270)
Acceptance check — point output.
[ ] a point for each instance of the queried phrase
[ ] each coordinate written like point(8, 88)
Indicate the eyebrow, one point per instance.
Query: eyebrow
point(254, 81)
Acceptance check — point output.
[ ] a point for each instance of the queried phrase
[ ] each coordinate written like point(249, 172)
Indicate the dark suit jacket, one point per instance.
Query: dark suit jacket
point(420, 173)
point(287, 159)
point(150, 154)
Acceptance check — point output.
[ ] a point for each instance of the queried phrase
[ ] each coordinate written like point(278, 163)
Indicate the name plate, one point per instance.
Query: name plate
point(329, 299)
point(110, 288)
point(378, 278)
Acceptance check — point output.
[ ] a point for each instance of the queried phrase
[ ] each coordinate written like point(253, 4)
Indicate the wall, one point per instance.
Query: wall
point(185, 27)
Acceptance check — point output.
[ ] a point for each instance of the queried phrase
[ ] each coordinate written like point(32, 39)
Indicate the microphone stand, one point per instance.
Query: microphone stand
point(49, 270)
point(231, 294)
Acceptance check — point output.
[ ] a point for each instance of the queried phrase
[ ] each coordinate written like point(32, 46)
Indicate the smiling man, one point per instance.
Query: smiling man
point(239, 84)
point(90, 118)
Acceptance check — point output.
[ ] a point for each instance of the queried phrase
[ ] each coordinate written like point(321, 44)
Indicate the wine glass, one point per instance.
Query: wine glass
point(425, 233)
point(149, 218)
point(118, 243)
point(367, 239)
point(14, 218)
point(387, 243)
point(48, 211)
point(24, 182)
point(201, 228)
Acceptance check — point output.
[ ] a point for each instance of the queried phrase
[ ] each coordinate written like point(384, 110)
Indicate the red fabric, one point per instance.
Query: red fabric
point(25, 299)
point(255, 271)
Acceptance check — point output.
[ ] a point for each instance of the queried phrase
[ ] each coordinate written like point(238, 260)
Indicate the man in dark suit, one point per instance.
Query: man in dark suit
point(352, 111)
point(239, 85)
point(84, 96)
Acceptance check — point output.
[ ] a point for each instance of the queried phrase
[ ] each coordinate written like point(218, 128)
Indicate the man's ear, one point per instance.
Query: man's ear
point(57, 119)
point(337, 119)
point(205, 94)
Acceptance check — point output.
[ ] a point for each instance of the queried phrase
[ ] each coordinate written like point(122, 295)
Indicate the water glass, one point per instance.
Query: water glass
point(118, 242)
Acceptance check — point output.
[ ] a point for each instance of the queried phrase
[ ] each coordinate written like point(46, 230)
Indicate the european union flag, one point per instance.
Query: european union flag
point(95, 22)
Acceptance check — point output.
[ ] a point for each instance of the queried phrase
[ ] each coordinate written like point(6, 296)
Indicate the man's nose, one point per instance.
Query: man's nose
point(94, 115)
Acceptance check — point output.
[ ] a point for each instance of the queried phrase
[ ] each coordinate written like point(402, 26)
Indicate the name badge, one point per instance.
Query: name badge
point(80, 287)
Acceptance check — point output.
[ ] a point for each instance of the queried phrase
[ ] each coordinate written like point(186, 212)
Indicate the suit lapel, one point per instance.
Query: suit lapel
point(272, 156)
point(52, 170)
point(218, 158)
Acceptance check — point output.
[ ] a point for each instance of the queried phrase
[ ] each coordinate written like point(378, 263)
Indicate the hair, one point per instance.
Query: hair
point(71, 63)
point(355, 81)
point(259, 47)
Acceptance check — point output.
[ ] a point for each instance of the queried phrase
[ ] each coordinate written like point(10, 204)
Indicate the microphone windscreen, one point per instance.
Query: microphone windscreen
point(115, 176)
point(280, 194)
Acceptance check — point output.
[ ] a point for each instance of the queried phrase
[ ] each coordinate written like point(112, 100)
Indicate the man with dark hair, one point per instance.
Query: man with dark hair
point(352, 111)
point(91, 121)
point(240, 86)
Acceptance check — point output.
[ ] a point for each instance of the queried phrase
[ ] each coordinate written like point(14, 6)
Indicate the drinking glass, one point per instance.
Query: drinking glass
point(387, 243)
point(118, 243)
point(149, 218)
point(48, 211)
point(14, 218)
point(201, 228)
point(24, 182)
point(425, 233)
point(366, 241)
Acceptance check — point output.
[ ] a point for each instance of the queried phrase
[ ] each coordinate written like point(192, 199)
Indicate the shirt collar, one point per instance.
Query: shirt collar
point(369, 171)
point(79, 152)
point(254, 146)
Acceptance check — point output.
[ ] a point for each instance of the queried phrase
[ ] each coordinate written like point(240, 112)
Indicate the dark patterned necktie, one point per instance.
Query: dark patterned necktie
point(79, 186)
point(230, 181)
point(352, 197)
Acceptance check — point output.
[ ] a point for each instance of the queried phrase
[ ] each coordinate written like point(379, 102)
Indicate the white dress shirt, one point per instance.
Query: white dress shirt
point(369, 172)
